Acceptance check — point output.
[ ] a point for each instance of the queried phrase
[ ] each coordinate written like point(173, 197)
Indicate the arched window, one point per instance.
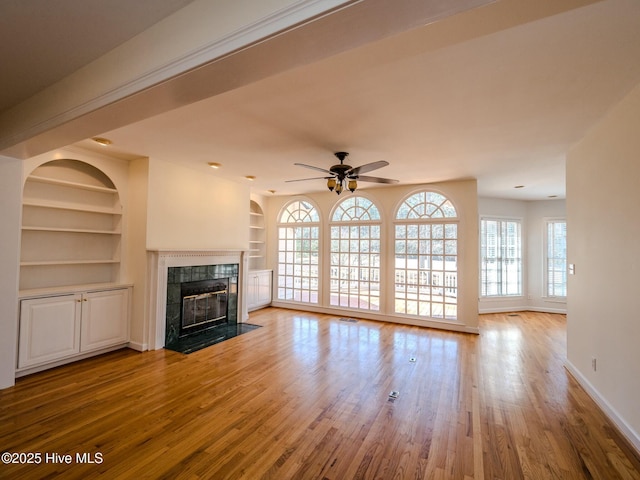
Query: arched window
point(426, 256)
point(355, 254)
point(298, 252)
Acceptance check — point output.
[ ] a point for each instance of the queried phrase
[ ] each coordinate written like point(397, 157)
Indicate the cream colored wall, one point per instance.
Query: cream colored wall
point(464, 196)
point(191, 210)
point(603, 242)
point(137, 249)
point(11, 201)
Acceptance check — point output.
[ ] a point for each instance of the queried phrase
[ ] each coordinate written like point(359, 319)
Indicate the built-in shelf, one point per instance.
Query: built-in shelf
point(71, 227)
point(67, 262)
point(257, 237)
point(67, 206)
point(66, 183)
point(71, 230)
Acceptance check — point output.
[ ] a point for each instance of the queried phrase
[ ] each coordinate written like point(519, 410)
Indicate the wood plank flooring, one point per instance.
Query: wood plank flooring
point(307, 397)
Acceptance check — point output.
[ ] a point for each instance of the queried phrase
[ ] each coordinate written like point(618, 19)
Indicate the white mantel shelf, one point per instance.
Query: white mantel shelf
point(159, 262)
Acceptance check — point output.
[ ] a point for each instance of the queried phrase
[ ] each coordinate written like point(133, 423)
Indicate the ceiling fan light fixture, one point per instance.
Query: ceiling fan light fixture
point(331, 184)
point(339, 188)
point(353, 185)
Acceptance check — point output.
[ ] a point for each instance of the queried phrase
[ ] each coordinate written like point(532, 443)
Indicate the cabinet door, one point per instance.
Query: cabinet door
point(49, 329)
point(264, 288)
point(252, 291)
point(105, 319)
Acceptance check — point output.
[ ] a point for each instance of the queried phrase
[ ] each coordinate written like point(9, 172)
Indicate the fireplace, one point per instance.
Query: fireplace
point(200, 298)
point(168, 269)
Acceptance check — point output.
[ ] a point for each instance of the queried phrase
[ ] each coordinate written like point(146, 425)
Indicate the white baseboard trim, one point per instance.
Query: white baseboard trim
point(380, 317)
point(625, 429)
point(522, 309)
point(139, 347)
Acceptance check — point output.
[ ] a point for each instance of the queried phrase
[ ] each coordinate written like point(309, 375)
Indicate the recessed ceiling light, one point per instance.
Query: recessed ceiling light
point(519, 186)
point(102, 141)
point(250, 177)
point(215, 165)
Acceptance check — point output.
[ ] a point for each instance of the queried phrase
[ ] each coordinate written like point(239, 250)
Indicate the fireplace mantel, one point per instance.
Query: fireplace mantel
point(159, 261)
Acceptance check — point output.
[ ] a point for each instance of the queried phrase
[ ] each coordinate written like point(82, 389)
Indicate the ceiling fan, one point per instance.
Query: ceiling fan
point(342, 175)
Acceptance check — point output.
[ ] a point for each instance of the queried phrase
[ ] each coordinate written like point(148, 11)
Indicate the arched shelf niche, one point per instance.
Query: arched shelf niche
point(71, 227)
point(257, 237)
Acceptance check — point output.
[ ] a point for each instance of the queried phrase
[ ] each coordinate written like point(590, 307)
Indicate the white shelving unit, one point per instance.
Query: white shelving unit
point(71, 227)
point(256, 237)
point(72, 304)
point(259, 280)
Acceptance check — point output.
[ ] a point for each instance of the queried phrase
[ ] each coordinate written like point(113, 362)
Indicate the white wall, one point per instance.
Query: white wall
point(192, 210)
point(603, 199)
point(464, 196)
point(537, 213)
point(533, 215)
point(11, 201)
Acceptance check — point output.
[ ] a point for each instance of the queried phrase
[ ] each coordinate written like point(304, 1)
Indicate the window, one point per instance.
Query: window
point(500, 257)
point(556, 258)
point(355, 254)
point(298, 252)
point(426, 256)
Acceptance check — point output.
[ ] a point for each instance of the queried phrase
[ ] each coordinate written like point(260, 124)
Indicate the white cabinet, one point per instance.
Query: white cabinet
point(55, 328)
point(258, 289)
point(49, 329)
point(104, 319)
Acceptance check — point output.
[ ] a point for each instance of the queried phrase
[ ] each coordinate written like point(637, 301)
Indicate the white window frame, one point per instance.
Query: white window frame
point(502, 258)
point(298, 275)
point(355, 254)
point(432, 231)
point(547, 259)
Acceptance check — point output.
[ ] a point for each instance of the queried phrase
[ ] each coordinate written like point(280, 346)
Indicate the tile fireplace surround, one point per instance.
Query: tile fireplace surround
point(159, 263)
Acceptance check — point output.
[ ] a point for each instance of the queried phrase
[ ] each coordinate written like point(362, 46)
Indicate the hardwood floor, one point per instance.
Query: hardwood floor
point(307, 397)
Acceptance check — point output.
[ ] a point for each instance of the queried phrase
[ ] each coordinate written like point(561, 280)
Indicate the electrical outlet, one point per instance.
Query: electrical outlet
point(593, 363)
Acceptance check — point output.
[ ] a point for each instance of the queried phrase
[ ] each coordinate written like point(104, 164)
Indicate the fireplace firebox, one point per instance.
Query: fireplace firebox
point(200, 299)
point(204, 304)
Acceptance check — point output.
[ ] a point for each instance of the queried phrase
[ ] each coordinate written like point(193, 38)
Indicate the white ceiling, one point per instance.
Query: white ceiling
point(503, 106)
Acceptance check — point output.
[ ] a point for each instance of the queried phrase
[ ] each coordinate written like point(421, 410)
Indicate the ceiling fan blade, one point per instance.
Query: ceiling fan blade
point(314, 168)
point(362, 178)
point(304, 179)
point(367, 168)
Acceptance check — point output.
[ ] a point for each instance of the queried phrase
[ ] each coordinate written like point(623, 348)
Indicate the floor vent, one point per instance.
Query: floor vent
point(513, 315)
point(350, 320)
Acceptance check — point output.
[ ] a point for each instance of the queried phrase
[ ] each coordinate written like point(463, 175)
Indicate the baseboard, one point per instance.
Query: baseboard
point(381, 317)
point(522, 309)
point(139, 347)
point(625, 430)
